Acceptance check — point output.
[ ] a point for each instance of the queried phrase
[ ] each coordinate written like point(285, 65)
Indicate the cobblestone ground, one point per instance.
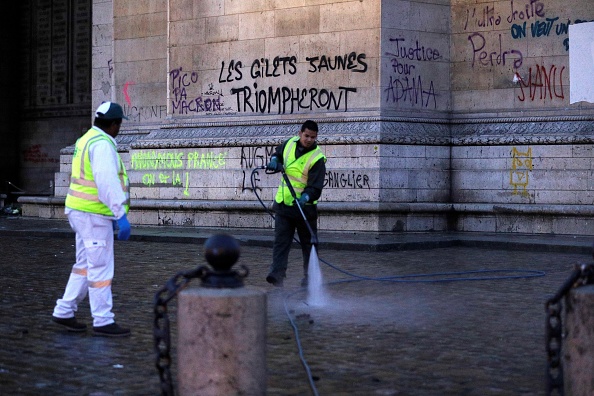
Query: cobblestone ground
point(372, 338)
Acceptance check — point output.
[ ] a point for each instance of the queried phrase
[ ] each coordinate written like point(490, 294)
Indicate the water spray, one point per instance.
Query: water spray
point(476, 275)
point(316, 296)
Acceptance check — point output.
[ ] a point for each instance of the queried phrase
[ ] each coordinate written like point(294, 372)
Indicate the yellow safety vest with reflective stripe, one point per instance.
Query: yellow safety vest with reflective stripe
point(297, 170)
point(83, 194)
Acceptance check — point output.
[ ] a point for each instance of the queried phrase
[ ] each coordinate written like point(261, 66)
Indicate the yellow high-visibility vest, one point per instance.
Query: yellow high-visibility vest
point(83, 194)
point(297, 170)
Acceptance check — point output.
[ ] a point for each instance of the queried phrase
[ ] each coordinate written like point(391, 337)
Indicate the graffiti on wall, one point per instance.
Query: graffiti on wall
point(134, 112)
point(493, 31)
point(542, 84)
point(127, 84)
point(406, 84)
point(250, 97)
point(106, 84)
point(487, 52)
point(526, 19)
point(144, 113)
point(520, 171)
point(251, 87)
point(285, 100)
point(547, 27)
point(172, 168)
point(140, 113)
point(253, 157)
point(34, 154)
point(209, 102)
point(353, 180)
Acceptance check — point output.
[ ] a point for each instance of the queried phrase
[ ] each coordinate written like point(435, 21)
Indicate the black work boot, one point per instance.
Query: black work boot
point(70, 324)
point(275, 280)
point(111, 330)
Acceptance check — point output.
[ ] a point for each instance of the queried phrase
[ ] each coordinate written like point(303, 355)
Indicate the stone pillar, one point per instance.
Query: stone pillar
point(222, 342)
point(222, 329)
point(578, 359)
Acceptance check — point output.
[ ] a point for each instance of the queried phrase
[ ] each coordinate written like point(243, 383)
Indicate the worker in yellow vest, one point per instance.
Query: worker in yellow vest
point(96, 205)
point(304, 163)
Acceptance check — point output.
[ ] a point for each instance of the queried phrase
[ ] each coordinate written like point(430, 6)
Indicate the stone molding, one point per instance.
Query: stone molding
point(531, 130)
point(370, 130)
point(345, 207)
point(410, 131)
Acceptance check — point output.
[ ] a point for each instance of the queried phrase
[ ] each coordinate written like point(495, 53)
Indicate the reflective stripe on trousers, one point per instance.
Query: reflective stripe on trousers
point(93, 271)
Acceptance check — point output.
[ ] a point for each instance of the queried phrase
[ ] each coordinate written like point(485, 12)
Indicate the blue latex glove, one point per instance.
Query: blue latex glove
point(124, 226)
point(273, 165)
point(303, 199)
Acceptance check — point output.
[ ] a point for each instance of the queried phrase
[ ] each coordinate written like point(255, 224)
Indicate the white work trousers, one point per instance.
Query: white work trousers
point(93, 270)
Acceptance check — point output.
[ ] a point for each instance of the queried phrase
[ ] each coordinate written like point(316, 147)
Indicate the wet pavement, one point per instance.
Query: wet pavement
point(456, 329)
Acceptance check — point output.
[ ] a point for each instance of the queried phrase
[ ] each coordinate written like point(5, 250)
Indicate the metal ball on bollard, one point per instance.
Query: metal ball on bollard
point(222, 252)
point(222, 329)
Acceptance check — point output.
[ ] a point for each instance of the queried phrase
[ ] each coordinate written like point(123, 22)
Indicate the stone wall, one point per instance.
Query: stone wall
point(510, 58)
point(434, 115)
point(416, 59)
point(521, 155)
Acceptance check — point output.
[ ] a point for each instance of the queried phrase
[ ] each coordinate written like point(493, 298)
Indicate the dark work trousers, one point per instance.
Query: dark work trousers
point(287, 219)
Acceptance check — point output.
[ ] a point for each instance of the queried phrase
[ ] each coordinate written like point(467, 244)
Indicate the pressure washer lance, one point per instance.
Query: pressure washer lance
point(314, 237)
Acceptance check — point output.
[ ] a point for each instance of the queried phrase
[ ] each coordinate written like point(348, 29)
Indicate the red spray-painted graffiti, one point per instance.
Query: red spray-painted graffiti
point(35, 155)
point(542, 84)
point(126, 93)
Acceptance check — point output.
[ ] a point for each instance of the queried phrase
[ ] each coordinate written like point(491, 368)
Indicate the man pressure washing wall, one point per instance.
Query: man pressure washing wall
point(304, 167)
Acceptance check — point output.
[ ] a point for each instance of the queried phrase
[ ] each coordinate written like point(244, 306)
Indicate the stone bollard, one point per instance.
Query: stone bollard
point(222, 330)
point(578, 359)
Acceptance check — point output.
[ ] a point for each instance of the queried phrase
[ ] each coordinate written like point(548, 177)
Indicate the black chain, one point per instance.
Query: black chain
point(161, 332)
point(582, 275)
